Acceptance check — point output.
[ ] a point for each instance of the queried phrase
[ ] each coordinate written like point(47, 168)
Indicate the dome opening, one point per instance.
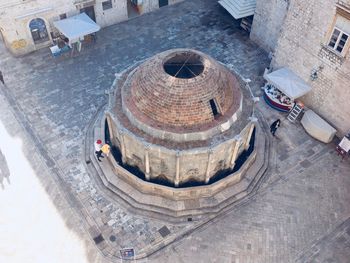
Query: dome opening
point(185, 65)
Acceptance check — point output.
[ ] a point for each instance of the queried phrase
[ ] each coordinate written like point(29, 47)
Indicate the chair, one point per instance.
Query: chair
point(343, 147)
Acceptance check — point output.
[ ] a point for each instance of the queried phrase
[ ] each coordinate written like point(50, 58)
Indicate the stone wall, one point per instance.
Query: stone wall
point(149, 6)
point(111, 16)
point(302, 46)
point(177, 166)
point(15, 16)
point(152, 5)
point(267, 24)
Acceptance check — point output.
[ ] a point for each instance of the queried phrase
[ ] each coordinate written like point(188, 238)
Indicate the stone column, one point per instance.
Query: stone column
point(177, 176)
point(207, 173)
point(252, 125)
point(122, 145)
point(148, 177)
point(235, 152)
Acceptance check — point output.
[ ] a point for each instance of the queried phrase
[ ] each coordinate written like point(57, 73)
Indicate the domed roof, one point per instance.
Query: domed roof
point(181, 88)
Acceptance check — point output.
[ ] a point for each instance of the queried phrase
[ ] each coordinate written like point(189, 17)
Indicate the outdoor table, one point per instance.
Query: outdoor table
point(56, 51)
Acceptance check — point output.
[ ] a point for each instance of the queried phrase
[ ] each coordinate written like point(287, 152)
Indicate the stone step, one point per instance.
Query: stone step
point(176, 211)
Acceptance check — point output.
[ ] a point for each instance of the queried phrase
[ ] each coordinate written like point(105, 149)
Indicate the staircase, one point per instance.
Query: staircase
point(246, 23)
point(175, 209)
point(295, 112)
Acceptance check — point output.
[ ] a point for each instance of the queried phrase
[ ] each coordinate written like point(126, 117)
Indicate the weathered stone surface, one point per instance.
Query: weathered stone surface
point(268, 22)
point(49, 103)
point(299, 36)
point(173, 102)
point(15, 18)
point(165, 126)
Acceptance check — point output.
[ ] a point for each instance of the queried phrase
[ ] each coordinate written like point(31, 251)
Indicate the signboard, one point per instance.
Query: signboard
point(127, 253)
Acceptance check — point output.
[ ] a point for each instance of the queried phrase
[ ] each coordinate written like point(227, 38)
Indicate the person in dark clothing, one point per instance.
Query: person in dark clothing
point(2, 78)
point(274, 126)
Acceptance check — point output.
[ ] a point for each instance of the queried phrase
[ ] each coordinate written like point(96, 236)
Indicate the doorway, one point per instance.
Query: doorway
point(90, 11)
point(163, 3)
point(133, 10)
point(38, 30)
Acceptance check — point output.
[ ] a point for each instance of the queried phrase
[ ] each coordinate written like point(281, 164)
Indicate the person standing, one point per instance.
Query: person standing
point(274, 126)
point(98, 150)
point(2, 78)
point(106, 149)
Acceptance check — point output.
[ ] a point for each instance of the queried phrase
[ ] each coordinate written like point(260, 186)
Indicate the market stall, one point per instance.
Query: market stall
point(73, 31)
point(282, 88)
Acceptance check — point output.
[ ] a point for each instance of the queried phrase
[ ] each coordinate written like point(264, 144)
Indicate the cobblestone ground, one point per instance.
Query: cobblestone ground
point(300, 214)
point(301, 211)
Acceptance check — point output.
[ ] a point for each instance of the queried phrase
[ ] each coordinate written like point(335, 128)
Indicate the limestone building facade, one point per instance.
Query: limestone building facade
point(27, 25)
point(312, 39)
point(180, 116)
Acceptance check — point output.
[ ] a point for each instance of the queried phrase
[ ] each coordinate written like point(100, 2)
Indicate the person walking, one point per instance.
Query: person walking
point(274, 126)
point(106, 149)
point(98, 150)
point(2, 78)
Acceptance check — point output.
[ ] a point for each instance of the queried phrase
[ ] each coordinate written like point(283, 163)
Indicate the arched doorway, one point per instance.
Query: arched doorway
point(38, 30)
point(163, 3)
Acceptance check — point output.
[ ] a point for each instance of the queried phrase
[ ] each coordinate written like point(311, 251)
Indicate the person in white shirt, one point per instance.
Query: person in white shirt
point(98, 150)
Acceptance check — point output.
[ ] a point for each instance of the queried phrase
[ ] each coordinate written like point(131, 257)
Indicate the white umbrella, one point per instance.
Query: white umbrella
point(289, 83)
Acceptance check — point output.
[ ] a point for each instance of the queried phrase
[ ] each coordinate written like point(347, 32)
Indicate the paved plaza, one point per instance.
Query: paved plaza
point(299, 213)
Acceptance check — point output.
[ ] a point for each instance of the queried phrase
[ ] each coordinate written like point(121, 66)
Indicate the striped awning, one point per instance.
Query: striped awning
point(239, 8)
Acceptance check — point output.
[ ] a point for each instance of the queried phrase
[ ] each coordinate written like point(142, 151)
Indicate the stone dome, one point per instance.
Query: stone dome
point(183, 140)
point(181, 90)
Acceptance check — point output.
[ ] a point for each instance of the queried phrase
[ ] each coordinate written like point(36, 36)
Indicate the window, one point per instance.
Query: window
point(214, 108)
point(63, 16)
point(163, 3)
point(338, 40)
point(107, 5)
point(38, 30)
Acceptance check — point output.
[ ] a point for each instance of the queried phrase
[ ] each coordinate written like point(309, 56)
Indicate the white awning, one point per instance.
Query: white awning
point(239, 8)
point(77, 26)
point(286, 81)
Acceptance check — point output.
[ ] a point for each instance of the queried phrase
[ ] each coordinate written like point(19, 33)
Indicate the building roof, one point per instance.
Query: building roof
point(181, 88)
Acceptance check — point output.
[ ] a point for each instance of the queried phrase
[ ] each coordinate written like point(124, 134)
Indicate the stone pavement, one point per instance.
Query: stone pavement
point(300, 213)
point(330, 248)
